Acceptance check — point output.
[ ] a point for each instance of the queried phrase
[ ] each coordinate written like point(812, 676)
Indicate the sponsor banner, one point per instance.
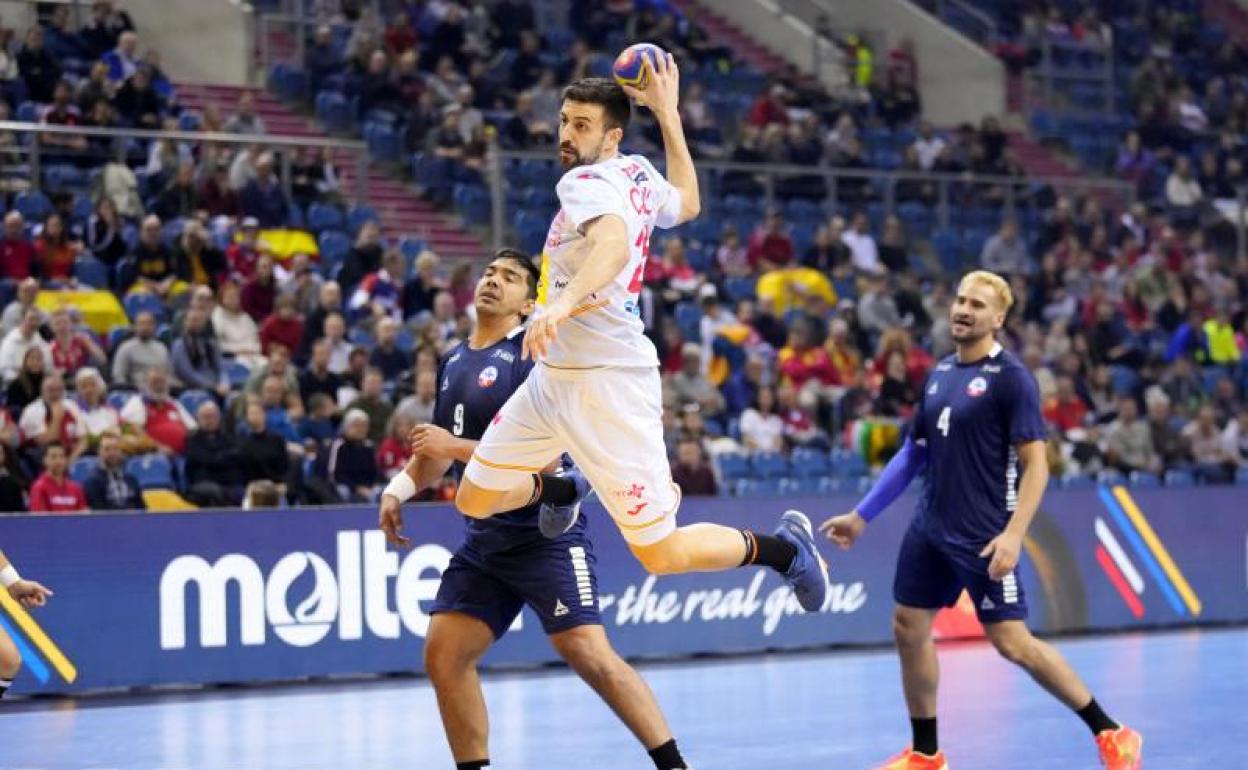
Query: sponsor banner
point(232, 596)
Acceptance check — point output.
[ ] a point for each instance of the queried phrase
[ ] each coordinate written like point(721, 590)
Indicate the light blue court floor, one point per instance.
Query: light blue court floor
point(1186, 691)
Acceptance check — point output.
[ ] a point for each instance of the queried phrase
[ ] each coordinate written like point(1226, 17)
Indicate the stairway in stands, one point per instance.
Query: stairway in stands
point(401, 211)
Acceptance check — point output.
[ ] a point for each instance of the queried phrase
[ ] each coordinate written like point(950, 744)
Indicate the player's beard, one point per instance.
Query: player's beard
point(577, 158)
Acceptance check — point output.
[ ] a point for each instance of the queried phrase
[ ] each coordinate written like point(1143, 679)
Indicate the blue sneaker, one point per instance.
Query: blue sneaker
point(808, 575)
point(554, 520)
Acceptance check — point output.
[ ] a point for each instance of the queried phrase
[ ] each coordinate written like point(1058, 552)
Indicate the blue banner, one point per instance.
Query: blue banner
point(233, 596)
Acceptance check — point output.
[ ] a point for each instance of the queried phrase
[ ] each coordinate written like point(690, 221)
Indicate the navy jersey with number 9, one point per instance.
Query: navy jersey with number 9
point(971, 416)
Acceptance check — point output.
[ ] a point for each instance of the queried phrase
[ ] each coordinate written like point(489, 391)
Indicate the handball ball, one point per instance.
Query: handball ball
point(628, 68)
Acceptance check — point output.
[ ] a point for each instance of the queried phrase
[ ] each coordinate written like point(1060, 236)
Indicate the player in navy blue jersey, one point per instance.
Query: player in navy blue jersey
point(505, 562)
point(978, 418)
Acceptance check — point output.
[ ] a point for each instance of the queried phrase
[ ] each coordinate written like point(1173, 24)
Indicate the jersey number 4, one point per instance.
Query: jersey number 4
point(643, 243)
point(942, 422)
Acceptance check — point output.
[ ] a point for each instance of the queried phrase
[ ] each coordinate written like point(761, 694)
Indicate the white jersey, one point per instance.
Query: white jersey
point(606, 328)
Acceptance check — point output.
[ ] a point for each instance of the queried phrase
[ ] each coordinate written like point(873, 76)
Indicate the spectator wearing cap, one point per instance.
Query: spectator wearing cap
point(364, 258)
point(215, 470)
point(373, 402)
point(52, 418)
point(263, 197)
point(241, 255)
point(17, 253)
point(153, 262)
point(98, 416)
point(54, 491)
point(351, 460)
point(109, 487)
point(20, 340)
point(197, 359)
point(72, 349)
point(386, 355)
point(157, 419)
point(140, 353)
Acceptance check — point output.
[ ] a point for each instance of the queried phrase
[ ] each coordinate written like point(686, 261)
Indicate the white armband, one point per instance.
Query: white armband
point(401, 487)
point(9, 576)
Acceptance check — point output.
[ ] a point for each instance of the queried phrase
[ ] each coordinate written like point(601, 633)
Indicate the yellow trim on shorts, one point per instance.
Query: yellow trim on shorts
point(501, 466)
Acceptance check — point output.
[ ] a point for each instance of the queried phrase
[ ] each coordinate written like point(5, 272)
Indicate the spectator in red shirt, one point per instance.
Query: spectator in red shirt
point(770, 247)
point(283, 326)
point(400, 36)
point(770, 108)
point(243, 254)
point(54, 251)
point(1066, 410)
point(394, 450)
point(800, 363)
point(260, 292)
point(73, 349)
point(62, 112)
point(157, 417)
point(54, 419)
point(53, 491)
point(17, 253)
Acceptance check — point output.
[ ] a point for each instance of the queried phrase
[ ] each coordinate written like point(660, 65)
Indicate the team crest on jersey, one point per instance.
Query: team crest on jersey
point(487, 377)
point(977, 387)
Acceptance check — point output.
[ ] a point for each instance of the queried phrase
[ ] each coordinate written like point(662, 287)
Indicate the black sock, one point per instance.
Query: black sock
point(1096, 720)
point(924, 732)
point(667, 756)
point(552, 489)
point(768, 551)
point(480, 764)
point(5, 684)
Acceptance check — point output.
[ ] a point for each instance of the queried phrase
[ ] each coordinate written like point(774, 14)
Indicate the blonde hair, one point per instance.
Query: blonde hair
point(995, 283)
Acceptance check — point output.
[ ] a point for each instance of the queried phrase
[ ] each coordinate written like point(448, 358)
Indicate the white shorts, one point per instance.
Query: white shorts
point(610, 421)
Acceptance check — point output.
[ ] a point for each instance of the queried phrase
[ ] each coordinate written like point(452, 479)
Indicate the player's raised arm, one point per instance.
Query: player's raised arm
point(607, 254)
point(1006, 547)
point(897, 475)
point(662, 96)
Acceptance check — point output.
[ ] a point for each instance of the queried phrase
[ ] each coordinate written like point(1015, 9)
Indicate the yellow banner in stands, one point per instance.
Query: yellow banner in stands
point(789, 287)
point(284, 244)
point(100, 310)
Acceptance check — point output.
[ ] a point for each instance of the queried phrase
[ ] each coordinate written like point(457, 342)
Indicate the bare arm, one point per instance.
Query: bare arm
point(662, 96)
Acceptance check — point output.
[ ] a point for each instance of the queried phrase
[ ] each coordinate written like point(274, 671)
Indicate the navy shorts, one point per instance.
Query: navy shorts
point(931, 575)
point(555, 578)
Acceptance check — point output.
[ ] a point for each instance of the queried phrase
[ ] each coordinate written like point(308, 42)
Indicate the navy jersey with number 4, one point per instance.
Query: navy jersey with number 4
point(472, 386)
point(971, 416)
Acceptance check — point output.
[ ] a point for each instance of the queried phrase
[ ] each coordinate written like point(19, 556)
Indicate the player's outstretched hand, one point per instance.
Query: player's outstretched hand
point(844, 529)
point(30, 593)
point(542, 331)
point(1004, 550)
point(662, 91)
point(390, 519)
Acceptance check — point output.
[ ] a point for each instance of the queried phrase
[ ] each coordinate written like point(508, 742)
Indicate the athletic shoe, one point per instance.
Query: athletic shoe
point(554, 520)
point(1120, 749)
point(913, 760)
point(808, 574)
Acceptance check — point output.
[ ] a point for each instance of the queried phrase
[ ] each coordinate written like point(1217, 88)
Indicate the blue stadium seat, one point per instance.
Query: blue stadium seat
point(117, 398)
point(1143, 480)
point(358, 215)
point(237, 372)
point(1078, 482)
point(1109, 478)
point(1180, 479)
point(1241, 477)
point(92, 272)
point(769, 465)
point(82, 468)
point(740, 288)
point(323, 216)
point(334, 246)
point(800, 486)
point(831, 485)
point(410, 248)
point(118, 335)
point(360, 337)
point(1124, 380)
point(732, 466)
point(809, 463)
point(849, 465)
point(758, 487)
point(144, 303)
point(689, 320)
point(153, 471)
point(34, 206)
point(193, 399)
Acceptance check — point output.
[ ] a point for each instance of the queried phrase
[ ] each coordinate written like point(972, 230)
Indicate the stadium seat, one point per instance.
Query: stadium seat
point(34, 206)
point(334, 246)
point(153, 471)
point(1078, 481)
point(758, 487)
point(1109, 478)
point(82, 468)
point(358, 215)
point(1180, 479)
point(1143, 480)
point(740, 288)
point(117, 398)
point(144, 303)
point(732, 466)
point(192, 399)
point(800, 486)
point(850, 465)
point(237, 373)
point(689, 320)
point(831, 485)
point(769, 465)
point(322, 217)
point(1241, 477)
point(410, 248)
point(809, 463)
point(91, 271)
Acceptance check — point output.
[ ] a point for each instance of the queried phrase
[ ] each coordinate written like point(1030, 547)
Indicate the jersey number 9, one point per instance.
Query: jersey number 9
point(458, 428)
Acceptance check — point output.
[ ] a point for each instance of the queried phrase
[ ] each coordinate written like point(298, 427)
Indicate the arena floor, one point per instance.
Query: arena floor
point(1184, 690)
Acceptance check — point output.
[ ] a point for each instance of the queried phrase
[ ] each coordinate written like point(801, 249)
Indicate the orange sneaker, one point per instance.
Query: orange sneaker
point(913, 760)
point(1120, 749)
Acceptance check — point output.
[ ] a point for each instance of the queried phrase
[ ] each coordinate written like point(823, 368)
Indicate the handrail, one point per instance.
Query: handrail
point(358, 148)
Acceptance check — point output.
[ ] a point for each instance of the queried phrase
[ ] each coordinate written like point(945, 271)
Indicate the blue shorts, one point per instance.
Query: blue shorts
point(931, 575)
point(555, 578)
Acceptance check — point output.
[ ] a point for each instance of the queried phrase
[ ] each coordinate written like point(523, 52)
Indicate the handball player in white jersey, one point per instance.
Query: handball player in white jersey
point(595, 392)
